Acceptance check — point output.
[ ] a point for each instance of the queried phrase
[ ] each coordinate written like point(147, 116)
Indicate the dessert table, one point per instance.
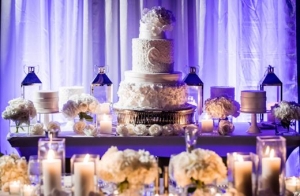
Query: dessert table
point(162, 146)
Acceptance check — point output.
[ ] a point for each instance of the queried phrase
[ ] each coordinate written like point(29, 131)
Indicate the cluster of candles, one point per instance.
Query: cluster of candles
point(15, 188)
point(267, 167)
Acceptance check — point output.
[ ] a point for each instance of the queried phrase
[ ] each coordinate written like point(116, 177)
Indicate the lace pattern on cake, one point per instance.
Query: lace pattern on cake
point(152, 56)
point(151, 96)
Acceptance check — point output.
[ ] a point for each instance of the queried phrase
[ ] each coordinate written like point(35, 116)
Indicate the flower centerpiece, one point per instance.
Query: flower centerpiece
point(12, 168)
point(156, 20)
point(80, 106)
point(130, 170)
point(20, 111)
point(220, 108)
point(198, 168)
point(286, 111)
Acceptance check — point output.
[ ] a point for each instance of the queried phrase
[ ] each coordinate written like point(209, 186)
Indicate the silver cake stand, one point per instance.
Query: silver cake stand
point(149, 117)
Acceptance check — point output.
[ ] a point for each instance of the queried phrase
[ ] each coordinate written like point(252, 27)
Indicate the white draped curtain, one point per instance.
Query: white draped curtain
point(231, 41)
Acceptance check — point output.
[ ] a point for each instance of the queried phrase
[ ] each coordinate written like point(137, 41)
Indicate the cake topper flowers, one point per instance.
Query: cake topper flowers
point(221, 107)
point(20, 111)
point(156, 20)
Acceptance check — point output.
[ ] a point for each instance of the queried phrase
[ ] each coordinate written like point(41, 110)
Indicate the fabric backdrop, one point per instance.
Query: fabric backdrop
point(231, 41)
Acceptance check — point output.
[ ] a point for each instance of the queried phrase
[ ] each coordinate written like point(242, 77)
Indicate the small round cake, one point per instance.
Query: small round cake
point(218, 91)
point(46, 102)
point(253, 101)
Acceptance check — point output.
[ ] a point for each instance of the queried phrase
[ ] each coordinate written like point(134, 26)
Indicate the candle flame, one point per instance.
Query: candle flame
point(272, 153)
point(50, 155)
point(267, 150)
point(86, 158)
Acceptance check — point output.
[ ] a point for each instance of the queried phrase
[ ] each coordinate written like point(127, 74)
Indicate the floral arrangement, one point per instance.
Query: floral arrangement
point(80, 105)
point(221, 107)
point(157, 19)
point(128, 169)
point(20, 111)
point(199, 167)
point(286, 111)
point(12, 168)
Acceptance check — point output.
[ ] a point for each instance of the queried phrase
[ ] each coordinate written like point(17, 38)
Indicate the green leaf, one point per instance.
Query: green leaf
point(83, 115)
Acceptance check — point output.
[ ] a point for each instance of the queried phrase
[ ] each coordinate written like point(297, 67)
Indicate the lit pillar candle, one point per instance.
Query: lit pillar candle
point(243, 176)
point(206, 124)
point(84, 177)
point(51, 173)
point(105, 124)
point(271, 171)
point(14, 187)
point(28, 190)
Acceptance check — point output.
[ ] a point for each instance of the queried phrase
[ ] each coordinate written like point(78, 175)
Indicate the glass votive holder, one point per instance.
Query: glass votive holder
point(83, 169)
point(292, 184)
point(271, 151)
point(28, 190)
point(191, 136)
point(242, 172)
point(51, 152)
point(104, 123)
point(15, 187)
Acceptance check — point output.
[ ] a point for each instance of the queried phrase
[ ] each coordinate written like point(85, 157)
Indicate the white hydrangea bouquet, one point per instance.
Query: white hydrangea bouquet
point(286, 111)
point(12, 168)
point(199, 168)
point(82, 106)
point(128, 169)
point(20, 111)
point(222, 107)
point(157, 20)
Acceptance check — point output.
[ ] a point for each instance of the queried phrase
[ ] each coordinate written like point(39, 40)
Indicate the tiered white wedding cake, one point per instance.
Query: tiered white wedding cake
point(152, 83)
point(153, 97)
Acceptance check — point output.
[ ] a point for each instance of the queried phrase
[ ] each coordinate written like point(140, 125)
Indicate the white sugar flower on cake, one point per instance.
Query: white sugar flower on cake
point(128, 168)
point(156, 20)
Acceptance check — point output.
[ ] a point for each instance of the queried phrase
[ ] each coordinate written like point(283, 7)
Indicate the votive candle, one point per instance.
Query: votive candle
point(51, 173)
point(14, 187)
point(271, 171)
point(243, 176)
point(28, 190)
point(105, 124)
point(84, 177)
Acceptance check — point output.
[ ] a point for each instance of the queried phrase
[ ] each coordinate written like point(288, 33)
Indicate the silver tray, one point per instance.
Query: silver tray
point(150, 116)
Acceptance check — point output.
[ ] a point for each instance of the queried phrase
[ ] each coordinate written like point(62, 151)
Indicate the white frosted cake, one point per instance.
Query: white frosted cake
point(218, 91)
point(66, 92)
point(152, 83)
point(253, 101)
point(46, 101)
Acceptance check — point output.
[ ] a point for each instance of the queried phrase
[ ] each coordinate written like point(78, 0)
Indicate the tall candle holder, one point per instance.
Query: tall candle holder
point(83, 169)
point(242, 172)
point(51, 152)
point(271, 152)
